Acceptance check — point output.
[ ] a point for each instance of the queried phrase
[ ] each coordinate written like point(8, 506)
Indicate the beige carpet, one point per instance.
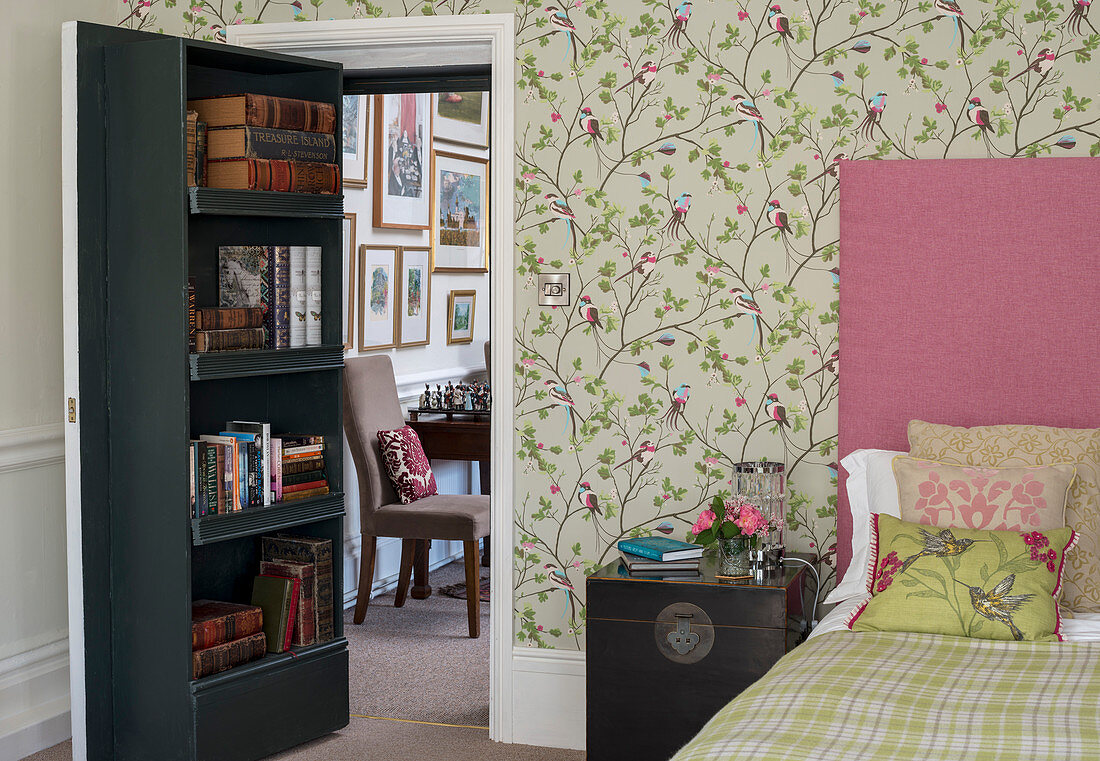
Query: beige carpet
point(381, 740)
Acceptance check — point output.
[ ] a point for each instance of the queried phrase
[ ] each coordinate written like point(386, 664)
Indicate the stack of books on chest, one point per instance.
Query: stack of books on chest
point(660, 557)
point(261, 142)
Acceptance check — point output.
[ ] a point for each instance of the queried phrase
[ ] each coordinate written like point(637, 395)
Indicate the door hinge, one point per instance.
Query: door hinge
point(72, 409)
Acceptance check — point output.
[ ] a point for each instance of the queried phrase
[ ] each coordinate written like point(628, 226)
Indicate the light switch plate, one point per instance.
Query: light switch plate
point(554, 289)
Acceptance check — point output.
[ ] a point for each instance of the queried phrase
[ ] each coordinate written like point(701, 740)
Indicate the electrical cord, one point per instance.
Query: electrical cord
point(812, 622)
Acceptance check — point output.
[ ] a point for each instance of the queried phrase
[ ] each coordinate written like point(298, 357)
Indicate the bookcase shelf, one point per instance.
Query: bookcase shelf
point(264, 203)
point(261, 520)
point(142, 235)
point(242, 364)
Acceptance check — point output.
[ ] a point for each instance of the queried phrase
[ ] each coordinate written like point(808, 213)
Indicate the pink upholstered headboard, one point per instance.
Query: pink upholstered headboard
point(969, 295)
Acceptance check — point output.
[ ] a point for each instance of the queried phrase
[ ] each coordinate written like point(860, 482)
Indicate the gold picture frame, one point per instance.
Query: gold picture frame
point(371, 259)
point(456, 332)
point(414, 329)
point(445, 256)
point(401, 213)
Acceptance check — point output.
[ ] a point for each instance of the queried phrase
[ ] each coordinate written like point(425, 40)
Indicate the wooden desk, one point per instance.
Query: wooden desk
point(450, 439)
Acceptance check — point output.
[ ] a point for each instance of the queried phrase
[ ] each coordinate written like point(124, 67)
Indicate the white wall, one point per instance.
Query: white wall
point(34, 690)
point(413, 367)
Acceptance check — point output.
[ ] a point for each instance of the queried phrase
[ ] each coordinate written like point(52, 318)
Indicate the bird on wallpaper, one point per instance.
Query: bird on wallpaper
point(1041, 65)
point(679, 213)
point(591, 126)
point(560, 209)
point(1077, 15)
point(645, 178)
point(875, 106)
point(832, 364)
point(781, 221)
point(559, 22)
point(644, 266)
point(746, 304)
point(979, 114)
point(750, 113)
point(941, 545)
point(557, 577)
point(590, 313)
point(562, 397)
point(642, 455)
point(675, 415)
point(643, 368)
point(833, 170)
point(589, 499)
point(776, 411)
point(643, 75)
point(778, 21)
point(679, 24)
point(997, 604)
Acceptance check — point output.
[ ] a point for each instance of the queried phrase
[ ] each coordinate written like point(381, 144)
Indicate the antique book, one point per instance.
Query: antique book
point(213, 622)
point(278, 597)
point(273, 174)
point(279, 313)
point(315, 474)
point(291, 467)
point(265, 111)
point(316, 483)
point(228, 318)
point(218, 658)
point(192, 131)
point(297, 296)
point(191, 315)
point(305, 622)
point(308, 549)
point(290, 496)
point(243, 279)
point(313, 295)
point(267, 143)
point(228, 340)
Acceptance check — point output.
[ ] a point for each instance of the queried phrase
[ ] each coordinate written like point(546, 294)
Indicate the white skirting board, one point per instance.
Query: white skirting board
point(548, 690)
point(34, 700)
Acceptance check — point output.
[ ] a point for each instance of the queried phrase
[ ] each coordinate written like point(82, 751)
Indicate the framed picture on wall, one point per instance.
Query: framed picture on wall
point(460, 241)
point(377, 297)
point(348, 299)
point(462, 117)
point(460, 317)
point(402, 144)
point(414, 307)
point(355, 135)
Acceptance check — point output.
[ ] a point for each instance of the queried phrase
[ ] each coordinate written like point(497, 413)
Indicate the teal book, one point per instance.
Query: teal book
point(660, 548)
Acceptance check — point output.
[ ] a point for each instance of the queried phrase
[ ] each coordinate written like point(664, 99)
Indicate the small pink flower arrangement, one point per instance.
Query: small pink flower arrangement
point(739, 518)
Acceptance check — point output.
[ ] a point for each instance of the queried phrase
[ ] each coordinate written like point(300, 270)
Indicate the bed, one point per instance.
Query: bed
point(969, 294)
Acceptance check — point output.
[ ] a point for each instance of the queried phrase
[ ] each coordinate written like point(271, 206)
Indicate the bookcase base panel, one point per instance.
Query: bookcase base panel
point(271, 708)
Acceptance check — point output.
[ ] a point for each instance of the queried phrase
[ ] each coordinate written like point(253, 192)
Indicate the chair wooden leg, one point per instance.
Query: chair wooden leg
point(366, 578)
point(408, 546)
point(473, 587)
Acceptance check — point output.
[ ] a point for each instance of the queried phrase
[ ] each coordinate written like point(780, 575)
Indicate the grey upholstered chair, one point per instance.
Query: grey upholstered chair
point(371, 405)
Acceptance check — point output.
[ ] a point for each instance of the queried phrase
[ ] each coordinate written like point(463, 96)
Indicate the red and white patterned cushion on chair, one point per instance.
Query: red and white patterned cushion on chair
point(407, 465)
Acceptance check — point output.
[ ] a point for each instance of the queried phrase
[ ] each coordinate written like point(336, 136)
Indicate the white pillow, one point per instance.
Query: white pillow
point(872, 488)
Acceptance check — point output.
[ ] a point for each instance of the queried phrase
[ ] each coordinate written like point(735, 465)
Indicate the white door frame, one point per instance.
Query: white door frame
point(419, 41)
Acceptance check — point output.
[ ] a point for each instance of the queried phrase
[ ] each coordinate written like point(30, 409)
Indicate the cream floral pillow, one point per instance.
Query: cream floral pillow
point(1023, 445)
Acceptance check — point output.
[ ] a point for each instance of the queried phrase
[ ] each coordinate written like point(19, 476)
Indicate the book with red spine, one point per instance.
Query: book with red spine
point(213, 660)
point(214, 622)
point(305, 622)
point(305, 486)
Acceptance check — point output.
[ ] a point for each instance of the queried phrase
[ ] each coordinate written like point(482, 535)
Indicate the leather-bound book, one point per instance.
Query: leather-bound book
point(267, 143)
point(218, 658)
point(305, 622)
point(278, 597)
point(250, 110)
point(273, 174)
point(213, 622)
point(228, 318)
point(308, 549)
point(228, 340)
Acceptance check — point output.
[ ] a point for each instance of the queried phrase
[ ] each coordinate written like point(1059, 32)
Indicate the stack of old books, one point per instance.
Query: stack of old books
point(224, 635)
point(660, 557)
point(261, 142)
point(295, 581)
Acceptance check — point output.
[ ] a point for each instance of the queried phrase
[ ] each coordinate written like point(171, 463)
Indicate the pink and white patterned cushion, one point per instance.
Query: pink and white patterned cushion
point(406, 464)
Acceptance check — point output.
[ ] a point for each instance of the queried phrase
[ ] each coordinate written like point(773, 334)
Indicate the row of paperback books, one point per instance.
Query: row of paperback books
point(244, 466)
point(660, 557)
point(291, 607)
point(260, 142)
point(269, 297)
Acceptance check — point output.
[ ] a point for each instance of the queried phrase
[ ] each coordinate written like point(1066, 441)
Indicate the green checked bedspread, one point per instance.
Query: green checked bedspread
point(897, 696)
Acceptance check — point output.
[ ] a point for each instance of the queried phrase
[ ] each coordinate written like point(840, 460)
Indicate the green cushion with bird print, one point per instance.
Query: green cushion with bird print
point(964, 582)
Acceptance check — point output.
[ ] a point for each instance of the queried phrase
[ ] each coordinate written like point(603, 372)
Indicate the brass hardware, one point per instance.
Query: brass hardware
point(683, 633)
point(72, 410)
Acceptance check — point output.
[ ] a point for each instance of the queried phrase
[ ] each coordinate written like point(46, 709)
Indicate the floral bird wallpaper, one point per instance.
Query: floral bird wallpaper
point(680, 161)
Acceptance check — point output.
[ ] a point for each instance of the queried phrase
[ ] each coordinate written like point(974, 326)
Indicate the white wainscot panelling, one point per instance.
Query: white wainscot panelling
point(548, 689)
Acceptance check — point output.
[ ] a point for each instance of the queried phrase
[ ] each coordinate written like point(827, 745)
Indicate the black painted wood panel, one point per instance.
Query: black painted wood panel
point(726, 605)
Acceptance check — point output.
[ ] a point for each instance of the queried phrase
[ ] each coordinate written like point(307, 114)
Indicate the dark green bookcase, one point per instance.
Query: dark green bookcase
point(142, 232)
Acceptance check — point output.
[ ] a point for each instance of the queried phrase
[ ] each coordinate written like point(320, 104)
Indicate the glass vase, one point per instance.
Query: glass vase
point(733, 556)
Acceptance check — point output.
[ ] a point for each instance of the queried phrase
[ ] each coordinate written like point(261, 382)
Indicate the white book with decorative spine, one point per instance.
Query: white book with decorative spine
point(297, 296)
point(313, 295)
